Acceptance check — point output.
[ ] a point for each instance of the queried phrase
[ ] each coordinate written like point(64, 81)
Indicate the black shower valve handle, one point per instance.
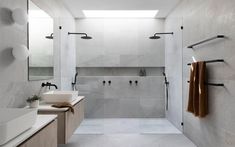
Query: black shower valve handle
point(104, 82)
point(109, 82)
point(130, 82)
point(136, 82)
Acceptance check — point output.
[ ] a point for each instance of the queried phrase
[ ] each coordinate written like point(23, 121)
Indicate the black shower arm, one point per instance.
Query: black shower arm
point(69, 33)
point(163, 33)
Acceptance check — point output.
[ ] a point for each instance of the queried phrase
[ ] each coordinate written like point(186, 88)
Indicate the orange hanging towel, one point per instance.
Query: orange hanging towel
point(198, 99)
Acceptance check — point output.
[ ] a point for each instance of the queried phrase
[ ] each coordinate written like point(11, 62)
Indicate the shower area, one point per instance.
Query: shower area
point(121, 73)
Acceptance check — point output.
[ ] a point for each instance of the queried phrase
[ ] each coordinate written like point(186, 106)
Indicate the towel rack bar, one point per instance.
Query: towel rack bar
point(206, 40)
point(213, 84)
point(211, 61)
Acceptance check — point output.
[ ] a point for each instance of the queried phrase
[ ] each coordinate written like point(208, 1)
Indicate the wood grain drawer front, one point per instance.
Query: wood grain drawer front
point(47, 137)
point(60, 124)
point(74, 120)
point(67, 121)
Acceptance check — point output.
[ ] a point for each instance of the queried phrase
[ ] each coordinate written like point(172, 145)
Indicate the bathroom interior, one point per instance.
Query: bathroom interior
point(132, 73)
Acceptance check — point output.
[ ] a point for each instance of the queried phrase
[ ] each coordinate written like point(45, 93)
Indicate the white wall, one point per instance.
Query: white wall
point(14, 86)
point(204, 19)
point(120, 43)
point(67, 54)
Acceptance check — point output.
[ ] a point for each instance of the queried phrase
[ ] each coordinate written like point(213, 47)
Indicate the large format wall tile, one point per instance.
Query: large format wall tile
point(204, 19)
point(152, 107)
point(120, 43)
point(122, 99)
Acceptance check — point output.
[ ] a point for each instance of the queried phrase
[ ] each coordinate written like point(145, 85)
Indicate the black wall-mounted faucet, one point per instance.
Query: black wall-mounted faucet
point(49, 84)
point(136, 82)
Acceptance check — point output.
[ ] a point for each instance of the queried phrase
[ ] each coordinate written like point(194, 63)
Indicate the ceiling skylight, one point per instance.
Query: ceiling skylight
point(120, 13)
point(38, 14)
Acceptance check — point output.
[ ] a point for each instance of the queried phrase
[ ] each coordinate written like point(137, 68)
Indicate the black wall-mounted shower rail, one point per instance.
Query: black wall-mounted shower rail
point(213, 84)
point(164, 33)
point(84, 35)
point(206, 40)
point(69, 33)
point(211, 61)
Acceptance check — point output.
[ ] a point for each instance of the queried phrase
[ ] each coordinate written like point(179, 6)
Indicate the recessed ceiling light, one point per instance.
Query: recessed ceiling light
point(120, 13)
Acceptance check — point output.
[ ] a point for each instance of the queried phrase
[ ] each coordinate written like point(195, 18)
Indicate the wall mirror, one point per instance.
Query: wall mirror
point(40, 43)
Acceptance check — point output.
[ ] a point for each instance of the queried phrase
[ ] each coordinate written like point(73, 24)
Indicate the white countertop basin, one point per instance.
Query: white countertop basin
point(14, 121)
point(60, 96)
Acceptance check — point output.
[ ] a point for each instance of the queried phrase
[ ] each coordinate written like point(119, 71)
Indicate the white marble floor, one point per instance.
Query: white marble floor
point(128, 133)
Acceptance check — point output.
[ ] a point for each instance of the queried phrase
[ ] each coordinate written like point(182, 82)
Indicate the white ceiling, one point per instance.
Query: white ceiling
point(164, 6)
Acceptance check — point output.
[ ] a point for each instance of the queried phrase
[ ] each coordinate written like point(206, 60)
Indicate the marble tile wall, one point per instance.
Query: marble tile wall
point(119, 71)
point(120, 43)
point(122, 100)
point(14, 84)
point(118, 50)
point(204, 19)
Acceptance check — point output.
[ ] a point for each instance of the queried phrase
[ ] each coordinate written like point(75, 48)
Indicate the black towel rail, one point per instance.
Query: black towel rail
point(211, 61)
point(214, 84)
point(206, 40)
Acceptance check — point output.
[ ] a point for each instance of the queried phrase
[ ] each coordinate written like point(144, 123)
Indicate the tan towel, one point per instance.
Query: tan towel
point(198, 100)
point(203, 96)
point(192, 87)
point(64, 105)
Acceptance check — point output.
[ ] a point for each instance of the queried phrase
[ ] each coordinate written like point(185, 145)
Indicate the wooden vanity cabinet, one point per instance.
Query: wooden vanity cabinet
point(67, 121)
point(46, 137)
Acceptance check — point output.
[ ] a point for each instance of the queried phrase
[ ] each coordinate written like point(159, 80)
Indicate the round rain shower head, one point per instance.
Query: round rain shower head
point(86, 37)
point(154, 37)
point(50, 37)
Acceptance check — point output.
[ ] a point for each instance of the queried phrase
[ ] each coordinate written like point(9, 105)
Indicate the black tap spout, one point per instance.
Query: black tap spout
point(49, 84)
point(54, 86)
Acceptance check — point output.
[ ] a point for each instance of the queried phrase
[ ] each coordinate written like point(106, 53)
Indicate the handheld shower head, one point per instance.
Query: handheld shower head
point(50, 37)
point(164, 74)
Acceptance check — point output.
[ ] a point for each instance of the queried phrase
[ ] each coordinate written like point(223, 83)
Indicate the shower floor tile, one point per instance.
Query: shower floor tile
point(126, 126)
point(129, 140)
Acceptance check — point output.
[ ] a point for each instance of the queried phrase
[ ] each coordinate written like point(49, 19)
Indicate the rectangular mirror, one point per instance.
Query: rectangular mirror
point(40, 42)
